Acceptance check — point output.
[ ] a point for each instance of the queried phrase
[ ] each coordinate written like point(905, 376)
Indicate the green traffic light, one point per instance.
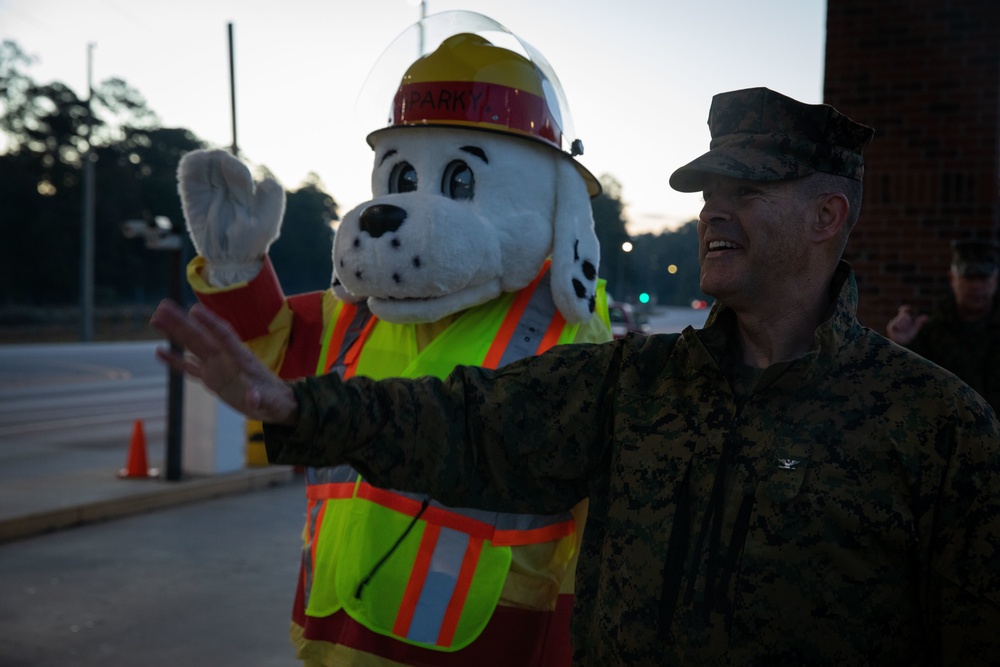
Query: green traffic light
point(644, 297)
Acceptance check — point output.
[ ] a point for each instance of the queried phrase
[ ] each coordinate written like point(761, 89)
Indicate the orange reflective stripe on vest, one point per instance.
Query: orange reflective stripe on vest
point(322, 484)
point(427, 616)
point(500, 528)
point(315, 509)
point(532, 311)
point(335, 482)
point(346, 333)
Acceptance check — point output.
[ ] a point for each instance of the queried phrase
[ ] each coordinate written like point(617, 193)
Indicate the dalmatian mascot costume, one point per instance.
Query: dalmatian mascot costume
point(476, 248)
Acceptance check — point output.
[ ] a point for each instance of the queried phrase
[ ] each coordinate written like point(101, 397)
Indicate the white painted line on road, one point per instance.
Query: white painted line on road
point(79, 422)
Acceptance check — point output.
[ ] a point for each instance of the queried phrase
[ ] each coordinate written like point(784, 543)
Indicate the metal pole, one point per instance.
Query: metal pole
point(232, 89)
point(87, 224)
point(175, 386)
point(619, 290)
point(423, 15)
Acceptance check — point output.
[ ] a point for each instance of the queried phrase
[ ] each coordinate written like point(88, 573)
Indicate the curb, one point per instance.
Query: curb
point(177, 493)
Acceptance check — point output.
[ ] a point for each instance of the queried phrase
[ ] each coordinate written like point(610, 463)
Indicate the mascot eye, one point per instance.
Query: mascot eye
point(458, 181)
point(403, 178)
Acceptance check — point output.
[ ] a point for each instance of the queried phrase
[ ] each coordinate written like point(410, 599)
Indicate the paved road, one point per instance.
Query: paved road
point(67, 407)
point(668, 319)
point(209, 583)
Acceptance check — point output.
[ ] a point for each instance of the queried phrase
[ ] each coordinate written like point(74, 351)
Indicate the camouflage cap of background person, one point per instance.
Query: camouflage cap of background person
point(761, 135)
point(973, 257)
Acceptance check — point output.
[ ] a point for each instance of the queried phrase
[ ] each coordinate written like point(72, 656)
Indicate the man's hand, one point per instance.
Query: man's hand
point(220, 360)
point(903, 328)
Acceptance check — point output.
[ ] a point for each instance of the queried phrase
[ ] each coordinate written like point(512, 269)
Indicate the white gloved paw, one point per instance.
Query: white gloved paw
point(231, 221)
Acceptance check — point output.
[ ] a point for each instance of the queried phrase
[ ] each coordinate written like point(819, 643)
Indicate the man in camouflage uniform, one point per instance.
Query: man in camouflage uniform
point(963, 335)
point(781, 487)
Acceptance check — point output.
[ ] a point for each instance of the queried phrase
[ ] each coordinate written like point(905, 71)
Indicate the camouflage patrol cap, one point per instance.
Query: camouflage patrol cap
point(973, 257)
point(761, 135)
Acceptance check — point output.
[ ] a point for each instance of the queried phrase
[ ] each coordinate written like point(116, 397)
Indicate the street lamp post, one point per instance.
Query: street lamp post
point(626, 249)
point(423, 15)
point(159, 234)
point(87, 224)
point(420, 26)
point(232, 90)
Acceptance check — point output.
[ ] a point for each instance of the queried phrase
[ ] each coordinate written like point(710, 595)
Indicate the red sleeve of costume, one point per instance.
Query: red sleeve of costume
point(249, 309)
point(252, 308)
point(306, 339)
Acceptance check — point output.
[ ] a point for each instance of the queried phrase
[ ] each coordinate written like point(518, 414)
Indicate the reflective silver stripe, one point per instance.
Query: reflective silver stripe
point(335, 475)
point(533, 324)
point(439, 586)
point(354, 329)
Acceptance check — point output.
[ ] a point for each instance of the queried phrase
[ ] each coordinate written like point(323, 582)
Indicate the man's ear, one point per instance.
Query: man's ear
point(832, 211)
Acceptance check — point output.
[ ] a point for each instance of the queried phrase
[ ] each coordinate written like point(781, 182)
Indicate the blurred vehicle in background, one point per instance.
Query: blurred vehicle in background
point(625, 318)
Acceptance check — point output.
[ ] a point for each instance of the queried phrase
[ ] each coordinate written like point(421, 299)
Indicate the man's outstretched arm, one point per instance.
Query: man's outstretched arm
point(525, 438)
point(217, 357)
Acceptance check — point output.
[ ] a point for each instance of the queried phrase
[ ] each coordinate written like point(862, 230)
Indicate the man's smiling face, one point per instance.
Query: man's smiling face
point(752, 239)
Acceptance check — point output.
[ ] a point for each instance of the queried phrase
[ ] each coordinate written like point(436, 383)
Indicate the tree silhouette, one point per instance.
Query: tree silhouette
point(652, 259)
point(49, 131)
point(137, 179)
point(302, 255)
point(609, 224)
point(646, 268)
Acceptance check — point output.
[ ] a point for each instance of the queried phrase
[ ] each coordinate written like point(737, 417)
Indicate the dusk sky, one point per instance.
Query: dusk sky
point(639, 75)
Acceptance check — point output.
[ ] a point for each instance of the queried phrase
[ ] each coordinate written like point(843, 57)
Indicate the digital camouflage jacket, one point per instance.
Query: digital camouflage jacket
point(843, 509)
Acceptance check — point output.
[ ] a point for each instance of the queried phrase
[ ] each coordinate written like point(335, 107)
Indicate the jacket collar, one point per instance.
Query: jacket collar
point(832, 336)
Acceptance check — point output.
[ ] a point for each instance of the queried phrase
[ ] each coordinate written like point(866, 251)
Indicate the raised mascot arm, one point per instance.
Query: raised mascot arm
point(232, 220)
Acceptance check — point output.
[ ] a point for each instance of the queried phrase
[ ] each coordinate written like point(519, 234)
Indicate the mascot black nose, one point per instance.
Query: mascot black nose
point(381, 218)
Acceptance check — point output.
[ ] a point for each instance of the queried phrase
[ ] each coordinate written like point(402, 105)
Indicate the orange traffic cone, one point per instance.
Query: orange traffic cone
point(136, 465)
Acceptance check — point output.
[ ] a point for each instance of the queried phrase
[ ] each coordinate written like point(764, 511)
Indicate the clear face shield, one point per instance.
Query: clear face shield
point(424, 37)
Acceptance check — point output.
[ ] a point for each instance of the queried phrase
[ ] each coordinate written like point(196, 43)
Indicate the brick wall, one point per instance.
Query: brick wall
point(926, 75)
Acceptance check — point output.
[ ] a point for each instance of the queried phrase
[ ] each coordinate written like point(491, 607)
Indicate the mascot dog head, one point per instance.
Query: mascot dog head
point(471, 193)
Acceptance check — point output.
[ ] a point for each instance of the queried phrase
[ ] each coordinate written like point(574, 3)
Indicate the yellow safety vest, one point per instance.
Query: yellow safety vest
point(429, 575)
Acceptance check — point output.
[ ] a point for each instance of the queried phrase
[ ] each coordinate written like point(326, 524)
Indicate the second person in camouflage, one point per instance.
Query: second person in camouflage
point(963, 334)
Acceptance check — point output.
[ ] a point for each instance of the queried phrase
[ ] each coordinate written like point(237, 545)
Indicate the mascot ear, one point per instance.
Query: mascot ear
point(575, 250)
